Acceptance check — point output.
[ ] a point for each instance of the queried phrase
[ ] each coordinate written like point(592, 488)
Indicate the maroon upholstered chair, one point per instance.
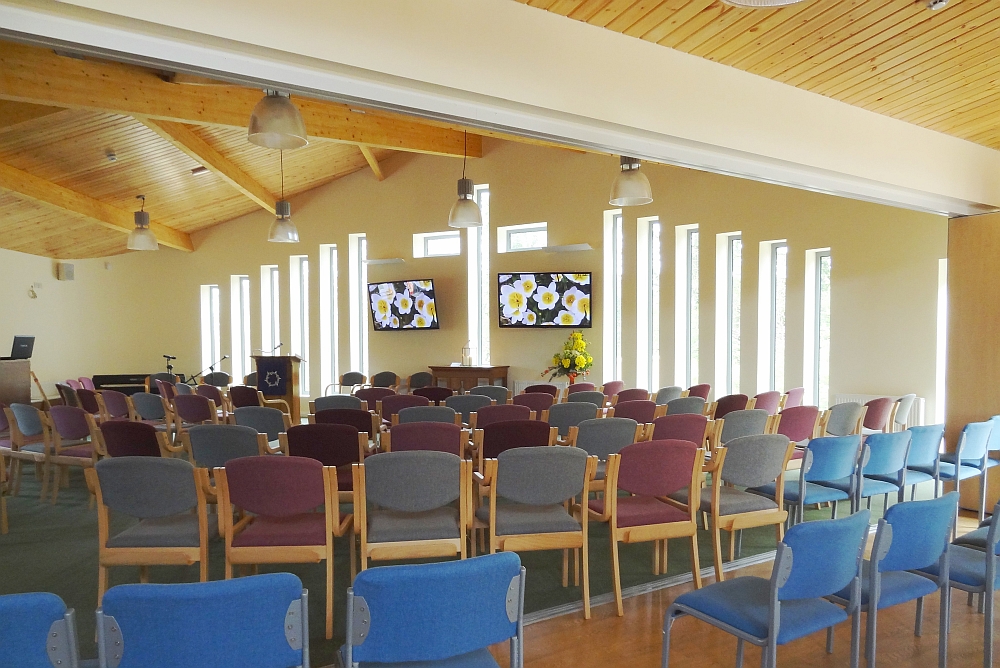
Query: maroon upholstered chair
point(75, 384)
point(88, 383)
point(500, 413)
point(114, 405)
point(194, 409)
point(877, 415)
point(436, 436)
point(580, 387)
point(793, 397)
point(730, 403)
point(702, 390)
point(798, 422)
point(437, 395)
point(373, 395)
point(337, 445)
point(651, 471)
point(538, 402)
point(241, 396)
point(612, 388)
point(280, 496)
point(391, 405)
point(165, 389)
point(542, 387)
point(631, 394)
point(130, 439)
point(498, 437)
point(768, 401)
point(70, 445)
point(682, 427)
point(642, 411)
point(88, 401)
point(355, 417)
point(215, 394)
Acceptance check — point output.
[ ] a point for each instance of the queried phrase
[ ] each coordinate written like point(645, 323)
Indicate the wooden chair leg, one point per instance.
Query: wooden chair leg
point(732, 545)
point(102, 583)
point(586, 577)
point(55, 479)
point(15, 477)
point(663, 558)
point(616, 575)
point(329, 596)
point(695, 562)
point(717, 546)
point(4, 527)
point(229, 569)
point(45, 482)
point(565, 581)
point(576, 568)
point(656, 557)
point(352, 540)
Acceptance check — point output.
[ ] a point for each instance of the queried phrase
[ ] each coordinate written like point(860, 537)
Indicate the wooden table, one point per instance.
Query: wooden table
point(467, 377)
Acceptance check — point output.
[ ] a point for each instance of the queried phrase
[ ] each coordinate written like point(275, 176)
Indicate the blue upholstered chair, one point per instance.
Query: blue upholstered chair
point(206, 624)
point(924, 456)
point(37, 631)
point(444, 614)
point(885, 471)
point(911, 536)
point(827, 460)
point(791, 604)
point(972, 457)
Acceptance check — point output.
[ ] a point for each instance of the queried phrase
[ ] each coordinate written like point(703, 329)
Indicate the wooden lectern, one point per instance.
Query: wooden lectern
point(15, 382)
point(278, 378)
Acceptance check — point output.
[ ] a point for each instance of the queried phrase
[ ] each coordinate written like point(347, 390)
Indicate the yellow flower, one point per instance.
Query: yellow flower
point(579, 345)
point(580, 361)
point(555, 360)
point(566, 363)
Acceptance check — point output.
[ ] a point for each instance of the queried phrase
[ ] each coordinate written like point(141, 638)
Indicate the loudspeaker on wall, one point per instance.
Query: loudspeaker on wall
point(64, 271)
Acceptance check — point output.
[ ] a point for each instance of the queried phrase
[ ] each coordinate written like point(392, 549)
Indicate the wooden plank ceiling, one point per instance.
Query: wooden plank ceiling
point(937, 69)
point(62, 196)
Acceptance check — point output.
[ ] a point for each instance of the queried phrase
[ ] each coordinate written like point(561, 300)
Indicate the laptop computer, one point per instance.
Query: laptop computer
point(21, 350)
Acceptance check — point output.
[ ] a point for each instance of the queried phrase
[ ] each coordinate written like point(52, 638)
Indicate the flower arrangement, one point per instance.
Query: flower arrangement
point(573, 360)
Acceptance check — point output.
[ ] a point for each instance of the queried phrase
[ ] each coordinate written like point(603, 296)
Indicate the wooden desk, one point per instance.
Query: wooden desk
point(467, 377)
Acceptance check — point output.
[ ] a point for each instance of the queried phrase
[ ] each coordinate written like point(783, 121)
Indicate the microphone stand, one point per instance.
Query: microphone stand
point(211, 367)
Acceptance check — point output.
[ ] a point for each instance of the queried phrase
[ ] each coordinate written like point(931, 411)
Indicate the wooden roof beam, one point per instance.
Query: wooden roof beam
point(184, 139)
point(39, 76)
point(37, 189)
point(372, 161)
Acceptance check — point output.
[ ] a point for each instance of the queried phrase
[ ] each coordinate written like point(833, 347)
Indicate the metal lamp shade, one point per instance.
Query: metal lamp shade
point(277, 123)
point(631, 187)
point(283, 230)
point(465, 212)
point(142, 238)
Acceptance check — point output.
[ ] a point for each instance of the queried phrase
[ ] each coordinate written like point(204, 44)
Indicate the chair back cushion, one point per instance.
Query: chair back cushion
point(793, 397)
point(632, 394)
point(686, 406)
point(243, 395)
point(682, 427)
point(339, 401)
point(372, 395)
point(431, 612)
point(730, 403)
point(130, 439)
point(466, 404)
point(210, 392)
point(217, 379)
point(753, 461)
point(29, 419)
point(69, 422)
point(570, 414)
point(843, 418)
point(656, 468)
point(580, 387)
point(435, 394)
point(605, 436)
point(612, 387)
point(212, 445)
point(183, 388)
point(4, 423)
point(495, 392)
point(25, 622)
point(536, 401)
point(88, 383)
point(540, 476)
point(545, 388)
point(436, 436)
point(276, 486)
point(250, 379)
point(264, 419)
point(798, 422)
point(164, 376)
point(768, 401)
point(502, 436)
point(330, 444)
point(148, 406)
point(825, 556)
point(395, 403)
point(921, 531)
point(165, 389)
point(488, 415)
point(665, 394)
point(355, 417)
point(642, 411)
point(702, 390)
point(976, 438)
point(833, 457)
point(412, 482)
point(887, 453)
point(925, 444)
point(420, 379)
point(116, 403)
point(903, 410)
point(193, 408)
point(352, 378)
point(88, 400)
point(206, 623)
point(75, 384)
point(146, 487)
point(743, 423)
point(595, 397)
point(67, 394)
point(427, 414)
point(877, 415)
point(385, 379)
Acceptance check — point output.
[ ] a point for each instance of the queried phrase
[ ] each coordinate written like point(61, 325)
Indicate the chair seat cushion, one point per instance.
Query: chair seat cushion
point(948, 471)
point(743, 604)
point(915, 476)
point(949, 458)
point(517, 518)
point(815, 493)
point(480, 658)
point(732, 501)
point(386, 526)
point(302, 529)
point(897, 587)
point(179, 530)
point(873, 486)
point(82, 451)
point(975, 539)
point(37, 448)
point(965, 565)
point(635, 511)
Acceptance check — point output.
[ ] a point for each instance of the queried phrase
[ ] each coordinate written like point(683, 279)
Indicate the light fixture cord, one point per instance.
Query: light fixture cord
point(142, 198)
point(281, 163)
point(465, 153)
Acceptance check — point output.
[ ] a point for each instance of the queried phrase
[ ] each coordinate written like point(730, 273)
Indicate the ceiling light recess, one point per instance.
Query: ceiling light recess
point(277, 123)
point(142, 238)
point(631, 187)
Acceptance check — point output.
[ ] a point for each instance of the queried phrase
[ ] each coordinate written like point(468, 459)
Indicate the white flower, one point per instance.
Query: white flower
point(547, 297)
point(403, 302)
point(394, 323)
point(387, 290)
point(421, 321)
point(425, 306)
point(424, 285)
point(571, 296)
point(526, 285)
point(582, 279)
point(514, 303)
point(382, 308)
point(568, 318)
point(583, 306)
point(530, 318)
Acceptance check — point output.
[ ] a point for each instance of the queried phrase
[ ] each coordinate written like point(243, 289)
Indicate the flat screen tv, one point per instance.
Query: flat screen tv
point(532, 299)
point(402, 305)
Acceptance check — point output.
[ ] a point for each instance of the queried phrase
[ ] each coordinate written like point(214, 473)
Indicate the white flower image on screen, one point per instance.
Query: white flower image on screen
point(547, 297)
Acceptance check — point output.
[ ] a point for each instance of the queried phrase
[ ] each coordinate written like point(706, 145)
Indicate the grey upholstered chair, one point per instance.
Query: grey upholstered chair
point(497, 393)
point(217, 378)
point(427, 414)
point(466, 404)
point(68, 395)
point(336, 401)
point(184, 388)
point(743, 423)
point(570, 414)
point(686, 405)
point(148, 407)
point(535, 483)
point(665, 394)
point(418, 380)
point(28, 441)
point(604, 436)
point(210, 446)
point(385, 379)
point(250, 379)
point(844, 419)
point(901, 414)
point(161, 493)
point(404, 505)
point(270, 421)
point(596, 397)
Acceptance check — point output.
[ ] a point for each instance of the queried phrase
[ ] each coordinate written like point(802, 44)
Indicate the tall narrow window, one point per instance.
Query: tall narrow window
point(479, 286)
point(357, 245)
point(649, 264)
point(298, 294)
point(239, 308)
point(776, 316)
point(816, 348)
point(734, 286)
point(329, 330)
point(942, 341)
point(614, 261)
point(270, 302)
point(686, 305)
point(211, 339)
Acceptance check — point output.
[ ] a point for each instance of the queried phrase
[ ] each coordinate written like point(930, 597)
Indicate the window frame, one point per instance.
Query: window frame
point(775, 354)
point(614, 266)
point(211, 324)
point(329, 315)
point(240, 326)
point(270, 308)
point(358, 283)
point(692, 306)
point(298, 302)
point(479, 280)
point(734, 301)
point(422, 241)
point(506, 232)
point(822, 401)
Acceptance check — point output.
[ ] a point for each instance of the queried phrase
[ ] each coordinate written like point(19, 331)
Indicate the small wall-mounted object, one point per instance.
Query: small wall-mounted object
point(386, 260)
point(568, 248)
point(65, 271)
point(107, 266)
point(31, 291)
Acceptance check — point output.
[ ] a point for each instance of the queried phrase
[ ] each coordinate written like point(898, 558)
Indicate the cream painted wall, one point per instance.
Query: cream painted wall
point(884, 275)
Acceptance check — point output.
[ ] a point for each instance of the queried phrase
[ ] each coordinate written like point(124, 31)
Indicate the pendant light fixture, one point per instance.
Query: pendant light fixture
point(142, 238)
point(277, 123)
point(631, 187)
point(465, 212)
point(283, 229)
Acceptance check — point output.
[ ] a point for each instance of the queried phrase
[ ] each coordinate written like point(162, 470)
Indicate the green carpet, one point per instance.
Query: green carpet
point(54, 548)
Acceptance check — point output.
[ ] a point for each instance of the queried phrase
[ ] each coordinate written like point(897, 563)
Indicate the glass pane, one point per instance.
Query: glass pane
point(655, 267)
point(619, 272)
point(823, 326)
point(522, 239)
point(735, 292)
point(245, 327)
point(445, 244)
point(779, 281)
point(693, 307)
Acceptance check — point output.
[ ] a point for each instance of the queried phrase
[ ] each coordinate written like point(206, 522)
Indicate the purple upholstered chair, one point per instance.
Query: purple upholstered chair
point(437, 436)
point(793, 397)
point(499, 413)
point(538, 402)
point(166, 390)
point(88, 383)
point(355, 417)
point(243, 395)
point(192, 409)
point(114, 405)
point(702, 390)
point(580, 387)
point(130, 439)
point(542, 387)
point(337, 445)
point(373, 395)
point(75, 384)
point(215, 394)
point(612, 388)
point(632, 394)
point(391, 405)
point(877, 415)
point(70, 446)
point(642, 411)
point(498, 437)
point(768, 401)
point(434, 394)
point(88, 401)
point(730, 403)
point(681, 427)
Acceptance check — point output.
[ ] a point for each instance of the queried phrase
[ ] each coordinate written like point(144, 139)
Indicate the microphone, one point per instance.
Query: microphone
point(169, 357)
point(224, 358)
point(276, 347)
